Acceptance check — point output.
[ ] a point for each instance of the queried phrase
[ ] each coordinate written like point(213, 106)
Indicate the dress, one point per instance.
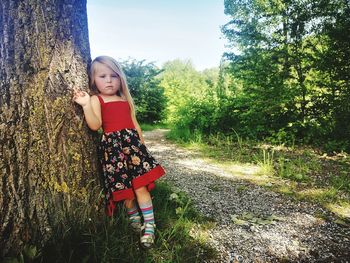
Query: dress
point(126, 162)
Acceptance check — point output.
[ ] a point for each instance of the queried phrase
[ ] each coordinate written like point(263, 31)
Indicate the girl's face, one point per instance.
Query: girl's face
point(106, 80)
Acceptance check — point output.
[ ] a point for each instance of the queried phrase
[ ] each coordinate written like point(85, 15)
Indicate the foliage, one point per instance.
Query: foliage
point(291, 59)
point(145, 90)
point(287, 78)
point(190, 96)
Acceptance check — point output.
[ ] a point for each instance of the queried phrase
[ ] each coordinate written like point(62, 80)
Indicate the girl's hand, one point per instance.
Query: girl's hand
point(81, 97)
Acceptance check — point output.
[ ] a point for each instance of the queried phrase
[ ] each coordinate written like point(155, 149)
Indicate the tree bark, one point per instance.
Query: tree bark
point(47, 153)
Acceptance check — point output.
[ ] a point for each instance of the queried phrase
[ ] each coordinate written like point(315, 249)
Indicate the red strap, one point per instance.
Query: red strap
point(100, 99)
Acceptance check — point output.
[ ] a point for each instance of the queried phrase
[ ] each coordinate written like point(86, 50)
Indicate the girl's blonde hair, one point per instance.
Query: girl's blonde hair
point(115, 66)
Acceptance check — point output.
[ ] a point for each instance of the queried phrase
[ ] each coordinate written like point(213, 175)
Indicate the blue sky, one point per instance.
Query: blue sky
point(157, 30)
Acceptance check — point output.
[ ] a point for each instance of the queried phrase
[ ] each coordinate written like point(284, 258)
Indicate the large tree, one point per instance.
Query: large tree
point(47, 157)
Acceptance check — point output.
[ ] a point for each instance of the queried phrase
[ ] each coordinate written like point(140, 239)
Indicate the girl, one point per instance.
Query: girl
point(129, 170)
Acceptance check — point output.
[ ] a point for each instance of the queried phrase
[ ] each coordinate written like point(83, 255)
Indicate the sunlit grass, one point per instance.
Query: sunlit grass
point(266, 162)
point(341, 208)
point(297, 172)
point(149, 127)
point(324, 195)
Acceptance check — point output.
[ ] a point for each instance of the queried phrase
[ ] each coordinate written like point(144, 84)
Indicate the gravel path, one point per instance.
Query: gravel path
point(250, 221)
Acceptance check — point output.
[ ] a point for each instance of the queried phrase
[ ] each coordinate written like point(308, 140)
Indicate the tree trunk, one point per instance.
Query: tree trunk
point(47, 154)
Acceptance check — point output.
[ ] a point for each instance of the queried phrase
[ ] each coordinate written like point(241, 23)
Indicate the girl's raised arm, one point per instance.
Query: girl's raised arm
point(91, 107)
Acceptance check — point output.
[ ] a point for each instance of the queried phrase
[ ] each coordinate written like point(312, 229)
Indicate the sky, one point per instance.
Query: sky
point(158, 30)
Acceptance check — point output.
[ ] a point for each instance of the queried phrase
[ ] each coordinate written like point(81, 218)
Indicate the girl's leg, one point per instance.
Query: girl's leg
point(129, 203)
point(142, 195)
point(133, 213)
point(145, 202)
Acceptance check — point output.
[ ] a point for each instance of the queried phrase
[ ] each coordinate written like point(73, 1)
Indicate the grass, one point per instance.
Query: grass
point(149, 127)
point(301, 172)
point(180, 236)
point(181, 233)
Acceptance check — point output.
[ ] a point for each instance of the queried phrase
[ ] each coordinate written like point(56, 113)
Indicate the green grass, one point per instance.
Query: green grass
point(150, 127)
point(180, 235)
point(302, 173)
point(311, 175)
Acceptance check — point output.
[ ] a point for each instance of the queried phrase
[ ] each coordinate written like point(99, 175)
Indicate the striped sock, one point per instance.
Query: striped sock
point(133, 213)
point(148, 216)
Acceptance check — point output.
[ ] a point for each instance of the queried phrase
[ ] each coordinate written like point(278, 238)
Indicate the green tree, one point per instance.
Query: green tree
point(333, 61)
point(191, 102)
point(292, 66)
point(146, 90)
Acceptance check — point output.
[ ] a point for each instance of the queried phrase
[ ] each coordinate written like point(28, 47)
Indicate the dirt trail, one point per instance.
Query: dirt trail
point(251, 221)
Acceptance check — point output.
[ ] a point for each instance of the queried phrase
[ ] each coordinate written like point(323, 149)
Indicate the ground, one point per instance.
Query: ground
point(251, 221)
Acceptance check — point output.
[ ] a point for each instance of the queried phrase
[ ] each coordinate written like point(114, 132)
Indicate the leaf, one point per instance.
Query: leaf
point(254, 220)
point(173, 196)
point(240, 222)
point(30, 251)
point(274, 218)
point(248, 216)
point(178, 210)
point(265, 222)
point(234, 216)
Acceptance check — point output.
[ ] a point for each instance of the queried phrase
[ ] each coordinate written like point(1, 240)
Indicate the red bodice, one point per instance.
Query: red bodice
point(116, 115)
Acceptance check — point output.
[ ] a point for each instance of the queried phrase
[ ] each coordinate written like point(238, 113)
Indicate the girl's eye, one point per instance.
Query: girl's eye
point(114, 76)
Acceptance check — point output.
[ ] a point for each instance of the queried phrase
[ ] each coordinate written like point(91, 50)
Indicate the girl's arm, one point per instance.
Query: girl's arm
point(92, 112)
point(91, 107)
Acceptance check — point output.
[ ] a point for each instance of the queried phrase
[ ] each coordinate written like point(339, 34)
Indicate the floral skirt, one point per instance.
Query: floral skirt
point(127, 165)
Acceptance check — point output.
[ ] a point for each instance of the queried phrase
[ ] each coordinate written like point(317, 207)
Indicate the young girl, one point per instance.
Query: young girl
point(129, 170)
